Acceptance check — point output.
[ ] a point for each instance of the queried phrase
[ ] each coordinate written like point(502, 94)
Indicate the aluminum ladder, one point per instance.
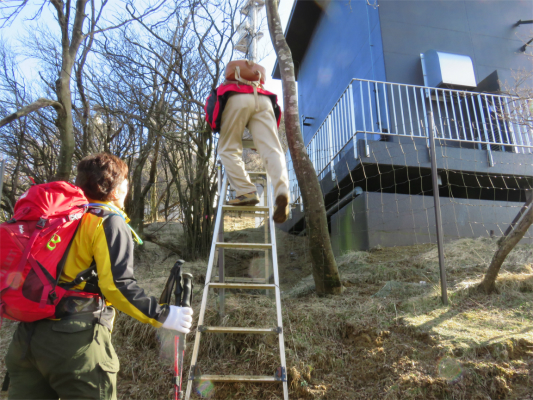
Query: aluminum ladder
point(218, 245)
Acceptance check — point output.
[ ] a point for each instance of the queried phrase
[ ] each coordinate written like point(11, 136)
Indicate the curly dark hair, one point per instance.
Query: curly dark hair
point(99, 174)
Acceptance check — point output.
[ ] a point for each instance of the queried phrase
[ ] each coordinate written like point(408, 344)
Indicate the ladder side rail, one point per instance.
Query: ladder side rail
point(221, 266)
point(277, 290)
point(220, 215)
point(266, 217)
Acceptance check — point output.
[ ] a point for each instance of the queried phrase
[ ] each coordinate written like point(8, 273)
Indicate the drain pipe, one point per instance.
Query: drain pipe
point(341, 203)
point(345, 200)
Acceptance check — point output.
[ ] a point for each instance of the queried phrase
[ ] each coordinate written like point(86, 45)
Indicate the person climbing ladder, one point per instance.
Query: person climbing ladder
point(242, 102)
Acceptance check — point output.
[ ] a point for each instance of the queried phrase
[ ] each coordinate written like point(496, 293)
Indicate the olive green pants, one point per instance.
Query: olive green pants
point(62, 359)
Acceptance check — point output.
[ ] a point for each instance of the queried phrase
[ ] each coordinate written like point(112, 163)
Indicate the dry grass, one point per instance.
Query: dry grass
point(402, 344)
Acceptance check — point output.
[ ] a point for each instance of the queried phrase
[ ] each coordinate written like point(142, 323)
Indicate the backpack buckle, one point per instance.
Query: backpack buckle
point(52, 296)
point(42, 222)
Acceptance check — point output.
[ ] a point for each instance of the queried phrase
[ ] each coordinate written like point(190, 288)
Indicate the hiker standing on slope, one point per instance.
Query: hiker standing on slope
point(242, 102)
point(72, 357)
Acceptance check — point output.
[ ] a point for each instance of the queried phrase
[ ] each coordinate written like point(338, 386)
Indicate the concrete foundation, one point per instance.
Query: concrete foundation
point(389, 219)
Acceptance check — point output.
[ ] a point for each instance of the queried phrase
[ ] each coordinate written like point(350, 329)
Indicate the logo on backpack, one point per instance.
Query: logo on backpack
point(55, 240)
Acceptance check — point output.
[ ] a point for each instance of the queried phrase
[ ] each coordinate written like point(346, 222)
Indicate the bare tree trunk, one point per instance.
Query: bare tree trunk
point(69, 49)
point(506, 245)
point(65, 125)
point(153, 175)
point(325, 272)
point(154, 204)
point(86, 108)
point(136, 213)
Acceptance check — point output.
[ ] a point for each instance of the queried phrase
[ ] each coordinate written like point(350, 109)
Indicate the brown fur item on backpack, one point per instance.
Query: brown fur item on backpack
point(249, 71)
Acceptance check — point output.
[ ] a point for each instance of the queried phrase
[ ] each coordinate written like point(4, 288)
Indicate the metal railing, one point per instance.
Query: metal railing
point(369, 110)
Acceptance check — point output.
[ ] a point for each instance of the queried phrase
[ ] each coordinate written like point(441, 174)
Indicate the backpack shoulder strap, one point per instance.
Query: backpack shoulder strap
point(116, 211)
point(101, 206)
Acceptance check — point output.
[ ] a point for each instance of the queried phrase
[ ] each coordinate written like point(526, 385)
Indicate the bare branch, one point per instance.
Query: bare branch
point(127, 21)
point(12, 14)
point(37, 105)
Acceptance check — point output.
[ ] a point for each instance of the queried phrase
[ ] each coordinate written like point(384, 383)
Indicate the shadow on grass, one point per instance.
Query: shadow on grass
point(492, 339)
point(473, 310)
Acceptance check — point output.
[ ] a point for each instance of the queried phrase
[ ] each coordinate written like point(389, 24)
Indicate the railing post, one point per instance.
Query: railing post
point(513, 123)
point(425, 116)
point(409, 109)
point(331, 153)
point(352, 117)
point(364, 118)
point(394, 109)
point(526, 116)
point(438, 217)
point(378, 108)
point(367, 150)
point(489, 150)
point(508, 127)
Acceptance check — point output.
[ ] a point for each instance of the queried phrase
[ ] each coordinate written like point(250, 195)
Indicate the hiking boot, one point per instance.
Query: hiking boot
point(281, 211)
point(247, 199)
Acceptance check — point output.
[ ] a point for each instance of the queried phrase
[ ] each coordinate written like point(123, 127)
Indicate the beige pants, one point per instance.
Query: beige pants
point(238, 114)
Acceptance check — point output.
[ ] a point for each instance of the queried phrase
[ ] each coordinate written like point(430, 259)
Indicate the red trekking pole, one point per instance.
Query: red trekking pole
point(183, 300)
point(182, 286)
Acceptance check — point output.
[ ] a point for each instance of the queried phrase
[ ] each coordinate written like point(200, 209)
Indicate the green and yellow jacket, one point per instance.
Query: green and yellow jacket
point(104, 243)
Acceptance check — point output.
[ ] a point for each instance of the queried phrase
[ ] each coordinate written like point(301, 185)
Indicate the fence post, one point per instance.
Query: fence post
point(438, 217)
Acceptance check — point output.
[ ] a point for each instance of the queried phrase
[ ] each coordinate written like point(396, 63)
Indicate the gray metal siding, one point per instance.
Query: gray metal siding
point(346, 44)
point(483, 30)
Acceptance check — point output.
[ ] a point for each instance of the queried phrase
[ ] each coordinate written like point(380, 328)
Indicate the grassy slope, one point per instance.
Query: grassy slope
point(399, 344)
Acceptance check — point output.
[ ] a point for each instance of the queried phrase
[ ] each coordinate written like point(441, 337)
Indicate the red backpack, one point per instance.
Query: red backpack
point(33, 249)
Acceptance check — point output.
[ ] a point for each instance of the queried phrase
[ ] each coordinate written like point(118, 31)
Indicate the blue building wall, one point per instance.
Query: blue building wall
point(346, 44)
point(353, 39)
point(484, 30)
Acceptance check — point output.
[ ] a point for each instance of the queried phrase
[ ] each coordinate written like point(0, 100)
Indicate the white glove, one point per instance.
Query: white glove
point(179, 319)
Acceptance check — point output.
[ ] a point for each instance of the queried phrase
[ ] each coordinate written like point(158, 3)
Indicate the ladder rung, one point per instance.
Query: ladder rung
point(238, 378)
point(241, 280)
point(229, 208)
point(244, 246)
point(226, 329)
point(258, 286)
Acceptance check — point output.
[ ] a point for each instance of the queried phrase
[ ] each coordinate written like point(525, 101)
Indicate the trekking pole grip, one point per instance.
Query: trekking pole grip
point(178, 288)
point(186, 299)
